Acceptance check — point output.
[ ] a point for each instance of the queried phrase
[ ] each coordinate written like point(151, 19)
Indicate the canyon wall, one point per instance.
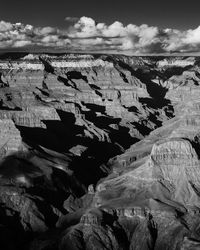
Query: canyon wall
point(99, 152)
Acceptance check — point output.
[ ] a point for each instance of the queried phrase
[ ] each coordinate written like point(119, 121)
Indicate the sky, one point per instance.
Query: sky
point(137, 26)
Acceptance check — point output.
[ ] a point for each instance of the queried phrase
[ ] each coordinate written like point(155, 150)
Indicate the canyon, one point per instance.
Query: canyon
point(99, 152)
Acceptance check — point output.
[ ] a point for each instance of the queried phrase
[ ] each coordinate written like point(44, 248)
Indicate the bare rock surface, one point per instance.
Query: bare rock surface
point(99, 152)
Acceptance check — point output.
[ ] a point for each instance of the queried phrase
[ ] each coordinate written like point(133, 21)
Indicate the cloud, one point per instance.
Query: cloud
point(50, 39)
point(85, 27)
point(5, 26)
point(192, 36)
point(46, 30)
point(85, 33)
point(71, 19)
point(54, 40)
point(142, 38)
point(21, 43)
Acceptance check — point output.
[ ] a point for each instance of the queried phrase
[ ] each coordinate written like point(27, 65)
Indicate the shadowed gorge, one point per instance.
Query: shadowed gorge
point(99, 152)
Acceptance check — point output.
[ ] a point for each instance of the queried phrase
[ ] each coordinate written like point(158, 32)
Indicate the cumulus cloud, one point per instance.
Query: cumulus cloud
point(46, 30)
point(21, 43)
point(85, 27)
point(138, 39)
point(85, 33)
point(192, 36)
point(5, 26)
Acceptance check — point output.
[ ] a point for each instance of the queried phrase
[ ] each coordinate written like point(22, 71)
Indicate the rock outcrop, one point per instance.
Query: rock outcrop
point(99, 152)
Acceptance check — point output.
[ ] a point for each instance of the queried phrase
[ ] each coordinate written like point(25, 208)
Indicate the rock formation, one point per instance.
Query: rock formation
point(99, 152)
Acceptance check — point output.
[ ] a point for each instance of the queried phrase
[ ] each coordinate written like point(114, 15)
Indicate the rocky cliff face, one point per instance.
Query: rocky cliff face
point(99, 152)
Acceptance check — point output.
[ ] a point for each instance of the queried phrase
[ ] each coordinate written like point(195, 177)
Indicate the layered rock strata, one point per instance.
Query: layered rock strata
point(99, 151)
